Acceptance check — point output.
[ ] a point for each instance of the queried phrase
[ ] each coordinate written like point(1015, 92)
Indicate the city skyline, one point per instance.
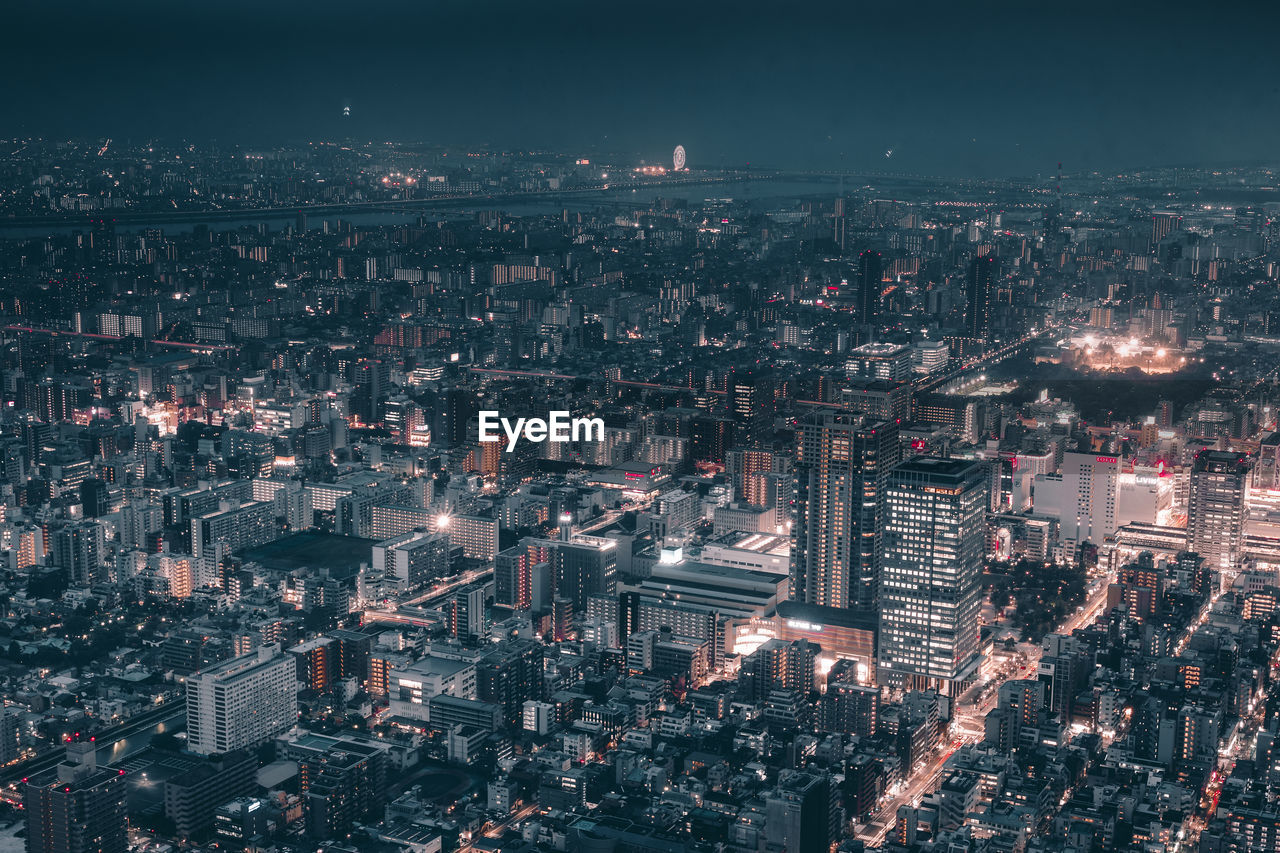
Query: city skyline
point(489, 427)
point(936, 473)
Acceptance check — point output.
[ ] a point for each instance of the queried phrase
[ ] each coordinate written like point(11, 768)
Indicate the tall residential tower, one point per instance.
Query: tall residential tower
point(242, 702)
point(842, 465)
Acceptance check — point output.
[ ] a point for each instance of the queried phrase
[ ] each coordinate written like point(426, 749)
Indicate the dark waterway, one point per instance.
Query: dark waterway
point(692, 194)
point(140, 740)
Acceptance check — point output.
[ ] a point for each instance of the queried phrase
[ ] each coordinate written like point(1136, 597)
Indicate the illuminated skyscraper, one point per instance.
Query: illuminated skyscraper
point(751, 402)
point(930, 587)
point(842, 463)
point(79, 549)
point(1089, 491)
point(870, 273)
point(1216, 507)
point(982, 273)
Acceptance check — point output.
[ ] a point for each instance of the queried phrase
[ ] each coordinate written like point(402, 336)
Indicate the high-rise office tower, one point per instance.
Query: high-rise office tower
point(1084, 497)
point(412, 559)
point(891, 362)
point(77, 807)
point(355, 649)
point(1216, 507)
point(191, 798)
point(10, 744)
point(93, 497)
point(842, 465)
point(930, 586)
point(582, 566)
point(103, 237)
point(510, 675)
point(371, 378)
point(982, 274)
point(838, 222)
point(710, 438)
point(242, 702)
point(870, 273)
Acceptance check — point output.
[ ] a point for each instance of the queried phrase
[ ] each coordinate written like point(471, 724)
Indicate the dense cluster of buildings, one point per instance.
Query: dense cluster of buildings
point(839, 570)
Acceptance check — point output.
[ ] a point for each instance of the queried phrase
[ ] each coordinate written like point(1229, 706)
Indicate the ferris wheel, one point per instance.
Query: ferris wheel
point(678, 158)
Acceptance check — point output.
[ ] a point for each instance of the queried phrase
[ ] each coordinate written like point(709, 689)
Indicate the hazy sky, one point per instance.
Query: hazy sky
point(951, 88)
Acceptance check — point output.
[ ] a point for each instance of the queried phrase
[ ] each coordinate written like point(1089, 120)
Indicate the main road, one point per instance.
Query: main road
point(968, 719)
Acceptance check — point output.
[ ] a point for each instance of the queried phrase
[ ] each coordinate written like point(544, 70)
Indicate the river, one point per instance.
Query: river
point(692, 193)
point(140, 740)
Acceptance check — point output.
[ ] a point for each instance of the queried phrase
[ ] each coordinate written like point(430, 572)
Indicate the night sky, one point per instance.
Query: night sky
point(963, 88)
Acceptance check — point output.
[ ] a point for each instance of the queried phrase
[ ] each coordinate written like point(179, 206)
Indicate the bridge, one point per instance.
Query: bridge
point(986, 360)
